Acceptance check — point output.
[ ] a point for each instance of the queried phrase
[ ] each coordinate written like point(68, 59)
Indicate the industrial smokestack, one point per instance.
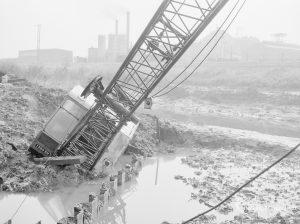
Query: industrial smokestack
point(117, 27)
point(127, 29)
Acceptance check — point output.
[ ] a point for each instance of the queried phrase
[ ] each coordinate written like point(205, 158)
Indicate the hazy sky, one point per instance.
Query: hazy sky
point(75, 24)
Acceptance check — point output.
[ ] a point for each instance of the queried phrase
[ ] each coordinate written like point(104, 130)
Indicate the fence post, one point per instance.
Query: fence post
point(136, 163)
point(121, 177)
point(113, 183)
point(93, 199)
point(96, 202)
point(78, 214)
point(157, 130)
point(103, 195)
point(128, 172)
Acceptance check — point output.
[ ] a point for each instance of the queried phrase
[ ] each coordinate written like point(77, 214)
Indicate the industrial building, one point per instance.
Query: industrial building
point(115, 49)
point(101, 47)
point(46, 56)
point(93, 54)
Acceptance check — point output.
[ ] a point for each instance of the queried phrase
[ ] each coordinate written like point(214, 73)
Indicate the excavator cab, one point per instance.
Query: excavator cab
point(62, 123)
point(69, 118)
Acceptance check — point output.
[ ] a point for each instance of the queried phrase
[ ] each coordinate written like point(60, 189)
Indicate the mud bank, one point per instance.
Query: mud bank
point(212, 137)
point(223, 160)
point(145, 138)
point(25, 108)
point(273, 198)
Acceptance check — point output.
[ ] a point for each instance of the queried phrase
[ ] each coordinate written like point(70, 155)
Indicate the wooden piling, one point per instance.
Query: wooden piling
point(121, 177)
point(93, 200)
point(128, 172)
point(97, 201)
point(157, 129)
point(78, 214)
point(103, 196)
point(113, 183)
point(135, 165)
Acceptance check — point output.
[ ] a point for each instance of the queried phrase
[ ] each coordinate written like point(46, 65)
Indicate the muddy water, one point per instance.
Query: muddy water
point(229, 122)
point(152, 197)
point(149, 198)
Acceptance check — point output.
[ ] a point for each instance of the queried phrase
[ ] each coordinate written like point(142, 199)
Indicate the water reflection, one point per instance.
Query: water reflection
point(138, 201)
point(115, 213)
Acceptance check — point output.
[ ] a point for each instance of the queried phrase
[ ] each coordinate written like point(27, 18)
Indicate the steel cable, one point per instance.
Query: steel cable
point(156, 94)
point(244, 185)
point(16, 212)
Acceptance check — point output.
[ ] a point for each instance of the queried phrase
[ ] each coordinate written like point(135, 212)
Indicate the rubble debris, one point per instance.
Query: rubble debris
point(61, 160)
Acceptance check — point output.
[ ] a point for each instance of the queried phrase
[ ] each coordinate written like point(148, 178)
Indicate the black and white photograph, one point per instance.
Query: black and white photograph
point(149, 112)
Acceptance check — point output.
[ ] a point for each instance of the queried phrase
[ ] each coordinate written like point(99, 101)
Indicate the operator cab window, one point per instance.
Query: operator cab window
point(74, 109)
point(61, 124)
point(64, 121)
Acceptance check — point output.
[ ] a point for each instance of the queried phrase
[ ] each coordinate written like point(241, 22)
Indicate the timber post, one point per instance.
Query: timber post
point(93, 200)
point(113, 183)
point(78, 214)
point(121, 177)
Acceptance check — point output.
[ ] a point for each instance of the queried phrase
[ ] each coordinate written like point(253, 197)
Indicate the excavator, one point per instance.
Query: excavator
point(97, 122)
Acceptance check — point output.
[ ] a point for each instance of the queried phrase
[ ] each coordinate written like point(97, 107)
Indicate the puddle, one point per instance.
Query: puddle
point(146, 199)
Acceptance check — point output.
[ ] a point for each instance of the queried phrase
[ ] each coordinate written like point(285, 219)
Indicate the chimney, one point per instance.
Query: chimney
point(117, 27)
point(127, 29)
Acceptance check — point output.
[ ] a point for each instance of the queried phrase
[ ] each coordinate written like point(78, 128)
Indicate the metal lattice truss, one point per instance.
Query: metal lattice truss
point(176, 24)
point(95, 134)
point(174, 27)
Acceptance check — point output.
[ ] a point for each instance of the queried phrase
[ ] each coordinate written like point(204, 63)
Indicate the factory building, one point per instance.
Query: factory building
point(116, 48)
point(46, 56)
point(117, 44)
point(93, 54)
point(101, 47)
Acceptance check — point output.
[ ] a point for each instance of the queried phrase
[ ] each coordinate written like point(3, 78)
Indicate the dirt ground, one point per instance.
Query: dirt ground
point(219, 172)
point(223, 158)
point(223, 161)
point(25, 108)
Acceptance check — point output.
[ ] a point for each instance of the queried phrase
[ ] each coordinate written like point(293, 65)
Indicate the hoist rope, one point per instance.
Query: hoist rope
point(181, 73)
point(244, 185)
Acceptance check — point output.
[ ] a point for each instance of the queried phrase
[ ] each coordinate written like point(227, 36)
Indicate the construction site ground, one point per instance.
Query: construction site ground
point(221, 156)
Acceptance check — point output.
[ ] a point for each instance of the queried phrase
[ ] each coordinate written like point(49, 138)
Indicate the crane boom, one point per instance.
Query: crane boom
point(173, 28)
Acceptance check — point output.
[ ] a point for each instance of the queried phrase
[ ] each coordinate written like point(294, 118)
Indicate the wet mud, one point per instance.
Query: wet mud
point(222, 159)
point(24, 109)
point(222, 163)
